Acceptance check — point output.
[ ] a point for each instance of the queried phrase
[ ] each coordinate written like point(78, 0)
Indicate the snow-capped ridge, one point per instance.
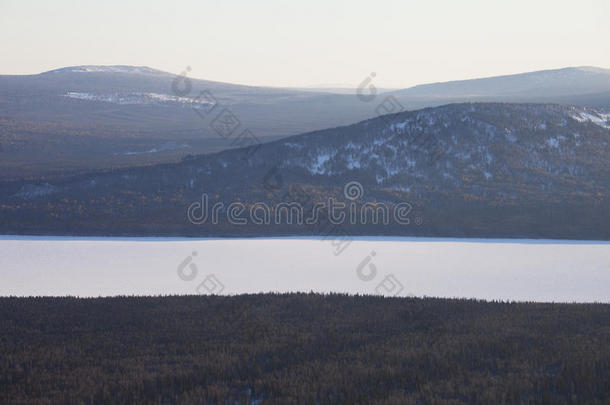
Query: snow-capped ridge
point(430, 145)
point(108, 69)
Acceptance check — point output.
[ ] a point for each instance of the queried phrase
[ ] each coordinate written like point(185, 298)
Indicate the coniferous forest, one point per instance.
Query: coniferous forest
point(301, 349)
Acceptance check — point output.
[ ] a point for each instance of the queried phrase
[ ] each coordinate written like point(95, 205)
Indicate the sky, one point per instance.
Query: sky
point(308, 43)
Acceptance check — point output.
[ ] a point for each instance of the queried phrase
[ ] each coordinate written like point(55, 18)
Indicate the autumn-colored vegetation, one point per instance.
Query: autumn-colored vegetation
point(301, 349)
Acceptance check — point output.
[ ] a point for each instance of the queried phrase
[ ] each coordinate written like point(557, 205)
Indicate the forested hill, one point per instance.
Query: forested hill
point(504, 170)
point(97, 117)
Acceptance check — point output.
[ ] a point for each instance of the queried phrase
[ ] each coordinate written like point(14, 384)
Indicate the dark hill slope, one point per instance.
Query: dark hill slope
point(509, 170)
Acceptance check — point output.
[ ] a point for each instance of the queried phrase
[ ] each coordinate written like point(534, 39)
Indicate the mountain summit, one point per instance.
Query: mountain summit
point(142, 70)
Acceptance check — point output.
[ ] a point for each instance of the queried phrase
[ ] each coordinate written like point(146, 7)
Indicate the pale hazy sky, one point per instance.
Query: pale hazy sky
point(310, 42)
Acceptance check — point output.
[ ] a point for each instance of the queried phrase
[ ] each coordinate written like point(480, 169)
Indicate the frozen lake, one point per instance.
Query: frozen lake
point(536, 270)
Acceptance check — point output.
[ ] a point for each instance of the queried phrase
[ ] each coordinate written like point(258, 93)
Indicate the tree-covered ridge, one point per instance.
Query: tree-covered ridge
point(302, 348)
point(466, 170)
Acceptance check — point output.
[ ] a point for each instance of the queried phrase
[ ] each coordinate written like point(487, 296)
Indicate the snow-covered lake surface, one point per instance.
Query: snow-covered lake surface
point(533, 270)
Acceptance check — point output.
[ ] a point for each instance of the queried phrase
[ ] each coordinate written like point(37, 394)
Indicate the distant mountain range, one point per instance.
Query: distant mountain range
point(573, 81)
point(470, 169)
point(86, 117)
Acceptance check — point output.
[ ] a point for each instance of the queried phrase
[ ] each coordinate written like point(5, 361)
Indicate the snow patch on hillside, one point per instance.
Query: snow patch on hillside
point(169, 146)
point(109, 69)
point(318, 166)
point(596, 117)
point(134, 98)
point(32, 190)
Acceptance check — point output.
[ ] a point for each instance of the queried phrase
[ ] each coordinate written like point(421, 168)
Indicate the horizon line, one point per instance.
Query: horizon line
point(319, 87)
